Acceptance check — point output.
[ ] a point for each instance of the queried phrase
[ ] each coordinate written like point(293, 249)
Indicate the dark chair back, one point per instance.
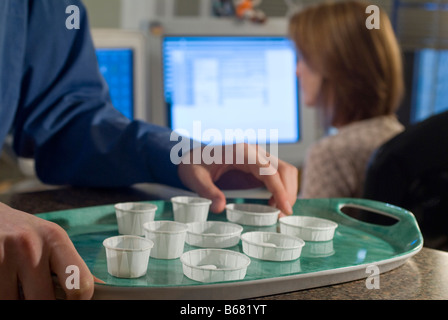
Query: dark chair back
point(411, 171)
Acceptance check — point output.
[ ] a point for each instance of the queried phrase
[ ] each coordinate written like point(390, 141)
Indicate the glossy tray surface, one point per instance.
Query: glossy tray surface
point(355, 244)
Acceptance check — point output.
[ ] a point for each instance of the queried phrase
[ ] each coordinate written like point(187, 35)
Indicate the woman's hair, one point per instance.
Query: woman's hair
point(361, 68)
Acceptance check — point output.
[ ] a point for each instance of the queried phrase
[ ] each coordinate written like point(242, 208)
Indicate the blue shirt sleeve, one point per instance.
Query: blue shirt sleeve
point(65, 118)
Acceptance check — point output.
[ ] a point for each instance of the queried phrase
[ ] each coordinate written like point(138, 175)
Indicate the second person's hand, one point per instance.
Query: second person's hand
point(279, 177)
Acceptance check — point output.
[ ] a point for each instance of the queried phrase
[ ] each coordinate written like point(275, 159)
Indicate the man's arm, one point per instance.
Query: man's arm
point(66, 120)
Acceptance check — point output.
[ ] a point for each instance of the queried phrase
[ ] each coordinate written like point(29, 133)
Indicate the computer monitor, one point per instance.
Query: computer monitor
point(227, 76)
point(121, 58)
point(116, 66)
point(430, 87)
point(232, 82)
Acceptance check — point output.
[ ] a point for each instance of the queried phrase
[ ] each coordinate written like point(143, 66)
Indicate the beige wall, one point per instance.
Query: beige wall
point(104, 13)
point(416, 27)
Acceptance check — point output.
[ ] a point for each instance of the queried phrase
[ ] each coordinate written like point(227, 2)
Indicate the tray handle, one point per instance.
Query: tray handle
point(377, 214)
point(331, 208)
point(406, 223)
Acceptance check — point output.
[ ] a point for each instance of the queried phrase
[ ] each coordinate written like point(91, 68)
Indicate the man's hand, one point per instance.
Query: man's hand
point(281, 180)
point(31, 249)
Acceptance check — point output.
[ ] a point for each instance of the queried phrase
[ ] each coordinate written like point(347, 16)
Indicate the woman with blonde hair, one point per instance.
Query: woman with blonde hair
point(354, 76)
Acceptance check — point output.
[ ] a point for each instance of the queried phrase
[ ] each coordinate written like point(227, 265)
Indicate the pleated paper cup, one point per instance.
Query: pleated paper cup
point(214, 265)
point(190, 209)
point(132, 215)
point(308, 228)
point(168, 238)
point(213, 234)
point(318, 249)
point(271, 246)
point(252, 214)
point(127, 256)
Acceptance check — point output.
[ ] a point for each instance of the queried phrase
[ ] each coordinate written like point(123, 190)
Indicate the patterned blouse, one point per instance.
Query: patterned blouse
point(336, 165)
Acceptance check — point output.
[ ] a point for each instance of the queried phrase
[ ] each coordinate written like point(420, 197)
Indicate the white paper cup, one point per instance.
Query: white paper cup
point(318, 249)
point(190, 209)
point(213, 234)
point(168, 238)
point(132, 215)
point(214, 265)
point(252, 214)
point(308, 228)
point(127, 256)
point(271, 246)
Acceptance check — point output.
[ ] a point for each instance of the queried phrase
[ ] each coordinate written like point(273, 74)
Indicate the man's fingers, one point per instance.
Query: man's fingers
point(24, 271)
point(9, 289)
point(200, 180)
point(31, 249)
point(33, 272)
point(290, 178)
point(36, 283)
point(275, 185)
point(73, 274)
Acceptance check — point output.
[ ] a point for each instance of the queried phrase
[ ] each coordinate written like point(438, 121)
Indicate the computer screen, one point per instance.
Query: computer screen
point(121, 56)
point(116, 66)
point(231, 83)
point(430, 92)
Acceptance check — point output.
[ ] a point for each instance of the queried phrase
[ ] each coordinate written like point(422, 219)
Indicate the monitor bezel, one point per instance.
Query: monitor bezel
point(309, 126)
point(137, 42)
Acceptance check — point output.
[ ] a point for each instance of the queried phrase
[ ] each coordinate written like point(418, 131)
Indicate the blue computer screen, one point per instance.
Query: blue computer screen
point(236, 82)
point(430, 92)
point(116, 66)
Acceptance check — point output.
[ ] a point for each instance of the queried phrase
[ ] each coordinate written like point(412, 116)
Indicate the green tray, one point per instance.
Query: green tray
point(355, 246)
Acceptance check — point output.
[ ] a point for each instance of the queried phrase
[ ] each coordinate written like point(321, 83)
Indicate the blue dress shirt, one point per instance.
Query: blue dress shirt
point(56, 104)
